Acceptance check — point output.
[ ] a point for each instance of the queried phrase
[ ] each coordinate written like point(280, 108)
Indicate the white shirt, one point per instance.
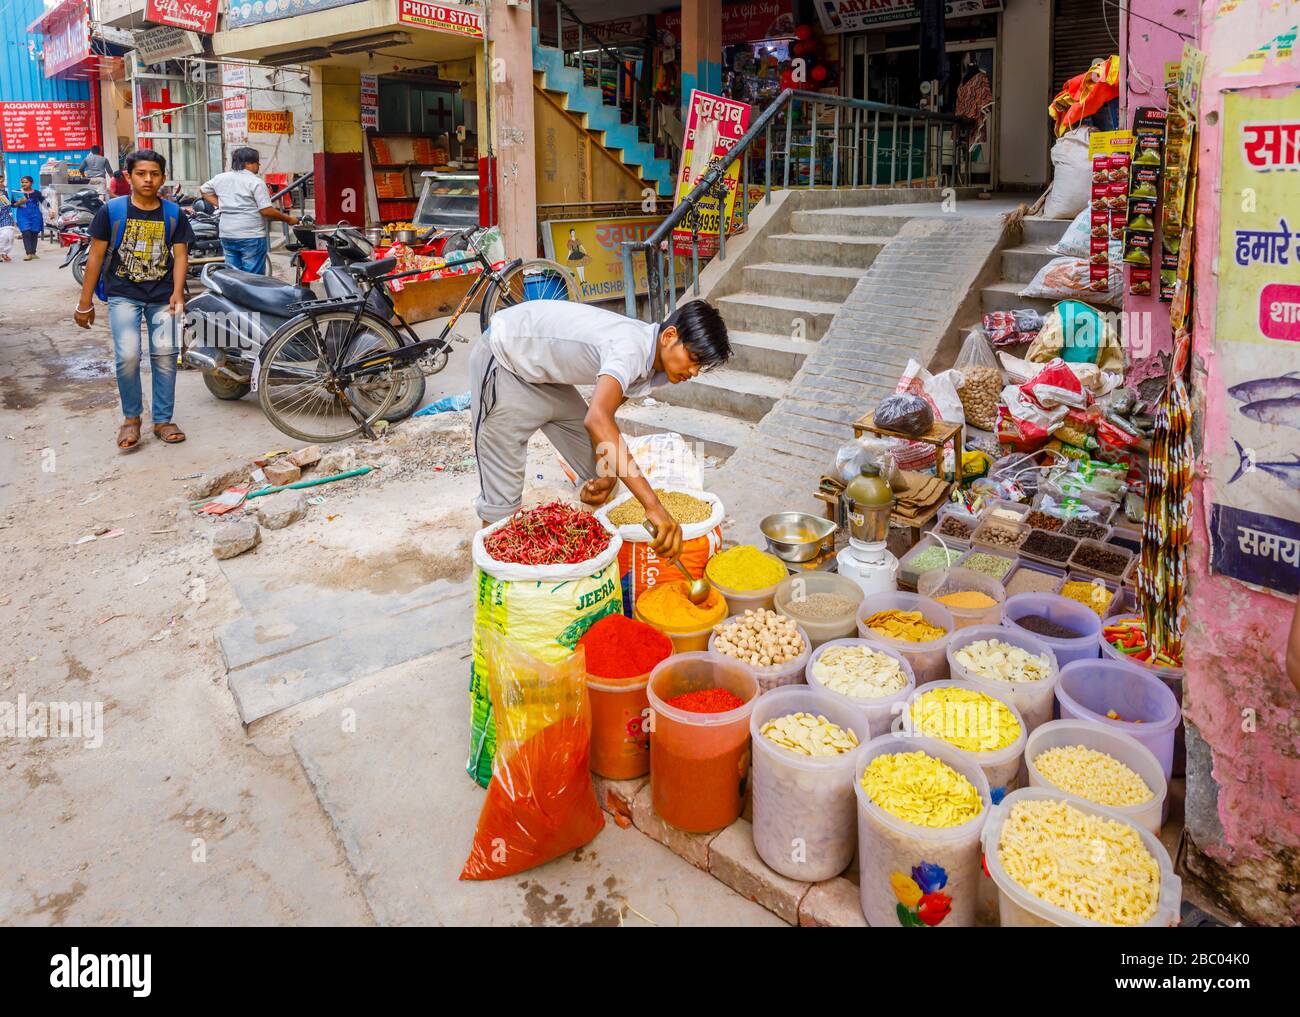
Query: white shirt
point(561, 342)
point(241, 196)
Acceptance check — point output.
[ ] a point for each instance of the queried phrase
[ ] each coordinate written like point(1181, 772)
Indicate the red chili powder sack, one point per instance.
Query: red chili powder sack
point(539, 805)
point(621, 647)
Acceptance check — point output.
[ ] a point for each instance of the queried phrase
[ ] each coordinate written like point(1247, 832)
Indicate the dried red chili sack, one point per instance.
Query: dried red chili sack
point(540, 804)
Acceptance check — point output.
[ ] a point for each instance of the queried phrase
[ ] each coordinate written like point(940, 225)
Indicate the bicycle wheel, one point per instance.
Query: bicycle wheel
point(535, 279)
point(299, 391)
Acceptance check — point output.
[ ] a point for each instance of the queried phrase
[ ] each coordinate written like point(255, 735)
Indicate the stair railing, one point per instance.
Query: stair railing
point(626, 84)
point(804, 139)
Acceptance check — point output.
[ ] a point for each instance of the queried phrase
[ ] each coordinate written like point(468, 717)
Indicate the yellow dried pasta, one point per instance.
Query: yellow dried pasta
point(965, 718)
point(1096, 868)
point(920, 789)
point(1093, 775)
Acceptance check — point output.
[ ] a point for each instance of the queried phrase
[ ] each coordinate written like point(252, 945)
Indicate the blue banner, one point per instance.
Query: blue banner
point(246, 13)
point(1255, 548)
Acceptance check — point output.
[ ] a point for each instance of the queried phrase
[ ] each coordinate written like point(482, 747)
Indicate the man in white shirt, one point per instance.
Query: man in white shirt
point(245, 204)
point(523, 373)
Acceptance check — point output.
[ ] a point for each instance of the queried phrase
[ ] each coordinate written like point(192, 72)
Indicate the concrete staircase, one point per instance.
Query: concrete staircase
point(1020, 264)
point(602, 119)
point(781, 305)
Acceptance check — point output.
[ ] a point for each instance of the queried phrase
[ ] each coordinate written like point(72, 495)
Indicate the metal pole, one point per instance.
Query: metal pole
point(875, 149)
point(582, 76)
point(789, 123)
point(672, 272)
point(835, 150)
point(893, 151)
point(812, 146)
point(767, 165)
point(695, 258)
point(857, 147)
point(629, 283)
point(744, 195)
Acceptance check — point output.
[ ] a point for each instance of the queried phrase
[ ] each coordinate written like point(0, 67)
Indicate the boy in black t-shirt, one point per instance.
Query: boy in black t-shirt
point(145, 242)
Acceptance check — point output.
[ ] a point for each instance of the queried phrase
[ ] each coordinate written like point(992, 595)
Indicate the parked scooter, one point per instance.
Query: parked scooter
point(227, 326)
point(205, 248)
point(78, 209)
point(77, 240)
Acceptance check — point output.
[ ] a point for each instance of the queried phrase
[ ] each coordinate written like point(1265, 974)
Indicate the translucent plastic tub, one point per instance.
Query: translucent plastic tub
point(908, 572)
point(1088, 689)
point(1096, 545)
point(1001, 766)
point(942, 582)
point(699, 761)
point(1116, 744)
point(1017, 531)
point(968, 518)
point(788, 593)
point(740, 601)
point(1032, 699)
point(928, 659)
point(1063, 611)
point(620, 748)
point(1125, 606)
point(684, 640)
point(789, 673)
point(893, 853)
point(1017, 907)
point(805, 823)
point(879, 711)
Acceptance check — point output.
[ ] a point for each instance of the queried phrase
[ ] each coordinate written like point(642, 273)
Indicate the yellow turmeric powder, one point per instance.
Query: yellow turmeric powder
point(745, 568)
point(668, 606)
point(967, 600)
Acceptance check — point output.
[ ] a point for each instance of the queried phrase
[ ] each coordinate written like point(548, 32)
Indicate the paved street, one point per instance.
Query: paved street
point(184, 814)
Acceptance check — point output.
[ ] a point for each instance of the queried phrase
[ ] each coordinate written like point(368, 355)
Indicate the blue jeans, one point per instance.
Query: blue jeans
point(125, 318)
point(248, 254)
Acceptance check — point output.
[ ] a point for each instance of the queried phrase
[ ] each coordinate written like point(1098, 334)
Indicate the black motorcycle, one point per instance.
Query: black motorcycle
point(77, 241)
point(205, 248)
point(227, 326)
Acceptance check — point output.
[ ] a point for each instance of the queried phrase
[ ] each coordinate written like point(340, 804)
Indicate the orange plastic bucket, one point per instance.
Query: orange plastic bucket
point(620, 746)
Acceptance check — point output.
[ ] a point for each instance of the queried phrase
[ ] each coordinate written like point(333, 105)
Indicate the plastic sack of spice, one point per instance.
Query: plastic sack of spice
point(540, 803)
point(542, 609)
point(981, 381)
point(639, 566)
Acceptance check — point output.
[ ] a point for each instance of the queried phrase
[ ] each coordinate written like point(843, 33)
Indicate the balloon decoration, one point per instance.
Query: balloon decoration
point(817, 73)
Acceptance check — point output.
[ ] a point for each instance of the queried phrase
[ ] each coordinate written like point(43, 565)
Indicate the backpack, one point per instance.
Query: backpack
point(117, 216)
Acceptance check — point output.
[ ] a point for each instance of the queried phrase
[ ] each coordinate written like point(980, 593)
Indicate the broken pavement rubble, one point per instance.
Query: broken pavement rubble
point(233, 538)
point(276, 511)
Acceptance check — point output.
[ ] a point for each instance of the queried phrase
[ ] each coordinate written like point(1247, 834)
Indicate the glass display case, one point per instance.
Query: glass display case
point(448, 200)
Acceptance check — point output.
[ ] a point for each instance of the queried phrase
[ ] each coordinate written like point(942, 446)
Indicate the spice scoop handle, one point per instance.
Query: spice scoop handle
point(699, 588)
point(654, 532)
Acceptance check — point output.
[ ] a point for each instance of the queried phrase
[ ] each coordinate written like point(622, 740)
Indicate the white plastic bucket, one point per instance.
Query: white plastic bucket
point(880, 711)
point(1032, 699)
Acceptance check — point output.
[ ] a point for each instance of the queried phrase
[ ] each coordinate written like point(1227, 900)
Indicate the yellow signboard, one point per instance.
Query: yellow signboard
point(270, 121)
point(592, 249)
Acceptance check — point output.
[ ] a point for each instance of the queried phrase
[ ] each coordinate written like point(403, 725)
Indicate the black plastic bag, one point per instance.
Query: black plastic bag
point(907, 414)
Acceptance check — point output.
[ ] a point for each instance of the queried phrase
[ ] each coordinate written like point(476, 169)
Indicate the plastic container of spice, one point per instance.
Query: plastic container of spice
point(789, 593)
point(1124, 605)
point(620, 749)
point(879, 711)
point(1068, 545)
point(1001, 510)
point(928, 659)
point(776, 675)
point(966, 519)
point(1062, 611)
point(989, 563)
point(1017, 907)
point(943, 582)
point(1000, 766)
point(699, 761)
point(1014, 532)
point(805, 822)
point(1116, 744)
point(1110, 587)
point(1028, 577)
point(1032, 698)
point(740, 601)
point(928, 554)
point(1079, 560)
point(1089, 689)
point(893, 853)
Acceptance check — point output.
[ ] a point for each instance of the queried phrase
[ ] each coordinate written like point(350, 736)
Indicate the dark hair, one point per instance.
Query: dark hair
point(241, 157)
point(145, 155)
point(96, 150)
point(28, 179)
point(702, 331)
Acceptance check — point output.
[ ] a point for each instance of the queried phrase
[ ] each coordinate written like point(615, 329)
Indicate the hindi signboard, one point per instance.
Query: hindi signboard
point(592, 249)
point(714, 124)
point(159, 44)
point(47, 126)
point(1254, 466)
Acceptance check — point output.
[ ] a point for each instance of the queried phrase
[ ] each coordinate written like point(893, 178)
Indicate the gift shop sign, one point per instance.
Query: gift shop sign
point(452, 18)
point(46, 126)
point(191, 15)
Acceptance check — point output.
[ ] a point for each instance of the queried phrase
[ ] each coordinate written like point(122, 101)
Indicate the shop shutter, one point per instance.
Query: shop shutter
point(1080, 35)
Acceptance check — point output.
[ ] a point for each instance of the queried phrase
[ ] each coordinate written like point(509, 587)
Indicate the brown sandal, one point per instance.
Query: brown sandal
point(169, 433)
point(128, 435)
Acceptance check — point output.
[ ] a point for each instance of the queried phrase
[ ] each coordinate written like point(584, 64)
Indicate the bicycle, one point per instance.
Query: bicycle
point(334, 369)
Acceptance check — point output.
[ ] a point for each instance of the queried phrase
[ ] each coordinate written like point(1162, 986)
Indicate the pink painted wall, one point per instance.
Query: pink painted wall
point(1237, 693)
point(1149, 39)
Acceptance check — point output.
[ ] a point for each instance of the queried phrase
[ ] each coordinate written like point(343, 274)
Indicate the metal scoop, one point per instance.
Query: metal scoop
point(698, 590)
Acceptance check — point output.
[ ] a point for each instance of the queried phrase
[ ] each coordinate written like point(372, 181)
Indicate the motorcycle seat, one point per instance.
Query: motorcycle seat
point(258, 292)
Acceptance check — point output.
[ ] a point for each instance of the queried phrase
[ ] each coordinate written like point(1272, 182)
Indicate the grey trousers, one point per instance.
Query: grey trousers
point(506, 412)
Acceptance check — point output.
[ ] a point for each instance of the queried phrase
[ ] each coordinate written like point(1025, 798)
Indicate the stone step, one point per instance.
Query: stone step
point(840, 250)
point(861, 222)
point(738, 394)
point(717, 434)
point(1044, 231)
point(1021, 264)
point(757, 312)
point(773, 355)
point(1005, 296)
point(811, 282)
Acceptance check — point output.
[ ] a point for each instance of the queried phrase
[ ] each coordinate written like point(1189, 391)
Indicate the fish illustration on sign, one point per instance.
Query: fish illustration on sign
point(1284, 412)
point(1286, 470)
point(1267, 388)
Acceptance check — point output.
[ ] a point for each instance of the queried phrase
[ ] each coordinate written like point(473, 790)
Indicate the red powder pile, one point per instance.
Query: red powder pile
point(622, 647)
point(707, 701)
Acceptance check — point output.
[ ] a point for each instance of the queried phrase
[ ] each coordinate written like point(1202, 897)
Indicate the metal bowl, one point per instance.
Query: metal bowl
point(405, 236)
point(796, 536)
